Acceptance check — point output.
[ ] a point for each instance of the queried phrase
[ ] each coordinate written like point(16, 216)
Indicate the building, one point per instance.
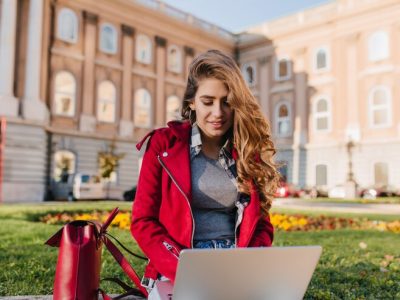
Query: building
point(97, 74)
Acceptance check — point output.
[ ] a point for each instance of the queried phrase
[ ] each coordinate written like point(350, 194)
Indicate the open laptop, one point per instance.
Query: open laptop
point(281, 273)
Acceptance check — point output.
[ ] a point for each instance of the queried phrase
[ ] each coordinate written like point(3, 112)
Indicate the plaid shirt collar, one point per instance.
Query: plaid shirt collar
point(224, 157)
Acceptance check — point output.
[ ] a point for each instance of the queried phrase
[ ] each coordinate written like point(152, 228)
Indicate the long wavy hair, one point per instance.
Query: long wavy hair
point(251, 130)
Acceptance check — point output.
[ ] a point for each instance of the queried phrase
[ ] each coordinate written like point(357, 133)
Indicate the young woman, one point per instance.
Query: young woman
point(206, 181)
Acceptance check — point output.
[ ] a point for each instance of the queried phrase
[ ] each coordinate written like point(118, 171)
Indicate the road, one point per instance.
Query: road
point(295, 203)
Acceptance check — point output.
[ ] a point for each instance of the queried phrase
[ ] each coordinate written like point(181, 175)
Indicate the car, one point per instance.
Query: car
point(338, 191)
point(79, 186)
point(286, 189)
point(129, 195)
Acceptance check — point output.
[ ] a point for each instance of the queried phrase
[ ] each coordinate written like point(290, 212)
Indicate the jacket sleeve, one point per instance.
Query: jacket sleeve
point(146, 228)
point(264, 233)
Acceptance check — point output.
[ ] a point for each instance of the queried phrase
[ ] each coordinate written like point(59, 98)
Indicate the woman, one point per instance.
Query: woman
point(206, 181)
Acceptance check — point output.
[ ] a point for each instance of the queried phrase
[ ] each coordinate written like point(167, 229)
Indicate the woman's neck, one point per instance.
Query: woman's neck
point(211, 146)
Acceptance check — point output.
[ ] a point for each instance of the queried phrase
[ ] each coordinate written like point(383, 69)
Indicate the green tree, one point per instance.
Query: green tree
point(108, 163)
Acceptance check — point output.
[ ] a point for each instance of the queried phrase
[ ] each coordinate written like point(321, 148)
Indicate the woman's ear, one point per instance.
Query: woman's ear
point(191, 105)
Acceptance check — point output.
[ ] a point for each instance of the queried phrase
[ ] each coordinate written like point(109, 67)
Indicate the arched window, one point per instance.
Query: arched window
point(378, 46)
point(64, 165)
point(283, 120)
point(173, 109)
point(174, 59)
point(282, 69)
point(321, 59)
point(143, 49)
point(142, 109)
point(108, 39)
point(249, 73)
point(380, 107)
point(381, 174)
point(106, 101)
point(67, 25)
point(321, 175)
point(64, 94)
point(322, 115)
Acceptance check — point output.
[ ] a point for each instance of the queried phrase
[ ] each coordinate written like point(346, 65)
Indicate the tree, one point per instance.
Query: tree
point(108, 163)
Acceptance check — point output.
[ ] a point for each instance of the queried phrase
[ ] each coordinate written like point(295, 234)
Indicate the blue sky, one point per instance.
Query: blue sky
point(242, 13)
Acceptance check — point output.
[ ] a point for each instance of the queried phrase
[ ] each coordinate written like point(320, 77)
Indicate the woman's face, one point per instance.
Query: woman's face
point(213, 114)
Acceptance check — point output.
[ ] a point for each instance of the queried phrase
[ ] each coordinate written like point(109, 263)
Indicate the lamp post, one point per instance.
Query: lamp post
point(351, 184)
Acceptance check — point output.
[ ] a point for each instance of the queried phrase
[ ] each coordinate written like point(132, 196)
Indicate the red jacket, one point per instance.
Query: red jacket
point(162, 221)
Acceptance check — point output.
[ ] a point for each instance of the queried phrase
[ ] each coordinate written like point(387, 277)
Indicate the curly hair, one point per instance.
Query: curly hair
point(251, 130)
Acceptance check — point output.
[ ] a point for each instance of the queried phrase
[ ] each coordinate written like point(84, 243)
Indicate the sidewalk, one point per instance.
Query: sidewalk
point(50, 297)
point(295, 203)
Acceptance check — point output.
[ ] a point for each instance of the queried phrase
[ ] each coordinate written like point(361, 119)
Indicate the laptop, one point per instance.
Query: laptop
point(281, 273)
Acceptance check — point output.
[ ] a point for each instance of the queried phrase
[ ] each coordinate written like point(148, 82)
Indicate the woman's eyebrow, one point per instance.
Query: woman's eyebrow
point(207, 97)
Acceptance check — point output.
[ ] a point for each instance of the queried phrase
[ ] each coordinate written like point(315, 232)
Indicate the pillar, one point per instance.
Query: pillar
point(8, 19)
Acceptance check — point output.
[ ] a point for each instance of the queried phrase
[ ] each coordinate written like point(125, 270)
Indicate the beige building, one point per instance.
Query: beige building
point(94, 73)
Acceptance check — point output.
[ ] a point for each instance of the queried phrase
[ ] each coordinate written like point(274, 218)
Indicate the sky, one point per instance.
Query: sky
point(243, 13)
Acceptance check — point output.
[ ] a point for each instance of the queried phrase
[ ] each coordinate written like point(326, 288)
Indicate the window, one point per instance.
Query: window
point(283, 120)
point(381, 174)
point(142, 108)
point(173, 109)
point(380, 107)
point(174, 59)
point(322, 115)
point(67, 26)
point(64, 165)
point(106, 101)
point(283, 170)
point(321, 175)
point(108, 39)
point(143, 49)
point(64, 94)
point(378, 46)
point(321, 59)
point(282, 69)
point(249, 73)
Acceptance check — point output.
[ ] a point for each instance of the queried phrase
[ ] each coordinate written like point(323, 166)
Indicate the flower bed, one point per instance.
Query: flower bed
point(280, 221)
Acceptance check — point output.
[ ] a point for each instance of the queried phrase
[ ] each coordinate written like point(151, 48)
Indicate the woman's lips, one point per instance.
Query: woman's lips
point(217, 125)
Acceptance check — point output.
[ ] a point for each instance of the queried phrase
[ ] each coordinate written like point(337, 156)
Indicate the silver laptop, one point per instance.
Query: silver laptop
point(281, 273)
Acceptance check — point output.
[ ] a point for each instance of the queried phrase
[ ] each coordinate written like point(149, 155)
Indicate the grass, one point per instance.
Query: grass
point(345, 270)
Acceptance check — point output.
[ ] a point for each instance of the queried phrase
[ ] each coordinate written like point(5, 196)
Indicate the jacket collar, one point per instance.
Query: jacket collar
point(181, 129)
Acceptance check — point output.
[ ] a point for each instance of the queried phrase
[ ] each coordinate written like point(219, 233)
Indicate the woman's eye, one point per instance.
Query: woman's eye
point(207, 103)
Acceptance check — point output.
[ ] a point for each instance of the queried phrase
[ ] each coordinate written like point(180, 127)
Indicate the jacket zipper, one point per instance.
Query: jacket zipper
point(240, 210)
point(171, 249)
point(179, 188)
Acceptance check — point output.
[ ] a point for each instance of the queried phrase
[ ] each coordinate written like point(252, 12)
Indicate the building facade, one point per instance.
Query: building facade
point(96, 75)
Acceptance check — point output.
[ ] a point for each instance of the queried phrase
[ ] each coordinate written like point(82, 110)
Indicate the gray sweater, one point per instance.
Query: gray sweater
point(213, 200)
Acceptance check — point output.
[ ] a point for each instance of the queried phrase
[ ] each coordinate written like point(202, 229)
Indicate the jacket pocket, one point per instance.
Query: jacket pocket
point(172, 249)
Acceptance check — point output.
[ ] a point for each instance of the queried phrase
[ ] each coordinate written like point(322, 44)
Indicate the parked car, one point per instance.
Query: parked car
point(378, 191)
point(129, 195)
point(286, 189)
point(338, 191)
point(79, 186)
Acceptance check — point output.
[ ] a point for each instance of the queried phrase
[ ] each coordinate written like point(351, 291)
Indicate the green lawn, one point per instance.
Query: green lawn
point(345, 271)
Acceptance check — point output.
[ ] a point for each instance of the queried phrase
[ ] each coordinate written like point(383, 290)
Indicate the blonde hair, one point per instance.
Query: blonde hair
point(251, 131)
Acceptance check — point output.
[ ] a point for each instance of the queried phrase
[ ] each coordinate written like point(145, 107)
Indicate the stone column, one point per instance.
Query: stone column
point(33, 108)
point(159, 107)
point(8, 18)
point(264, 84)
point(189, 54)
point(87, 121)
point(299, 117)
point(352, 118)
point(126, 124)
